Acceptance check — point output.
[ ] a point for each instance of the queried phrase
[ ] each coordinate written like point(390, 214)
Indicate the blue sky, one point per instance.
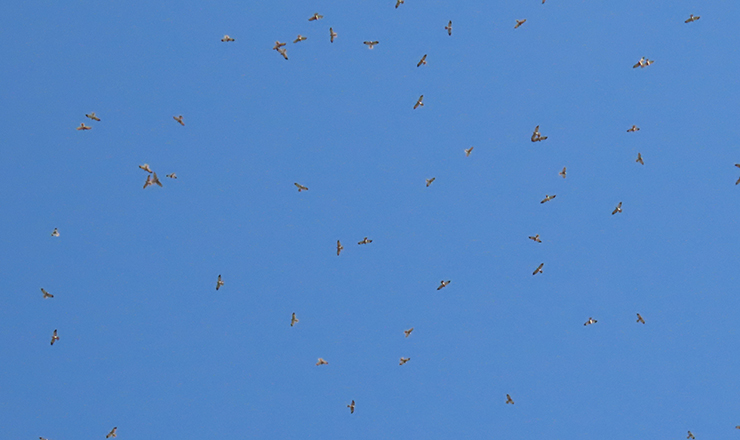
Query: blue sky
point(147, 343)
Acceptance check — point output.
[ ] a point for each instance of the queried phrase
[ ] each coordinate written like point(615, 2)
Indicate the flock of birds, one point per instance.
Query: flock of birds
point(152, 179)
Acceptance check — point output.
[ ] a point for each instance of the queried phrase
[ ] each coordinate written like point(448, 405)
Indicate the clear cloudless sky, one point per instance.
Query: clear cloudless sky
point(148, 344)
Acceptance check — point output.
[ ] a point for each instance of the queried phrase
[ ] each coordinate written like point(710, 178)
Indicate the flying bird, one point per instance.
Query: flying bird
point(429, 181)
point(633, 129)
point(300, 38)
point(443, 284)
point(151, 179)
point(519, 23)
point(371, 44)
point(84, 127)
point(468, 151)
point(321, 362)
point(639, 319)
point(351, 407)
point(332, 35)
point(449, 28)
point(55, 232)
point(692, 18)
point(590, 321)
point(536, 238)
point(46, 294)
point(293, 320)
point(562, 173)
point(404, 360)
point(315, 17)
point(509, 399)
point(171, 175)
point(648, 62)
point(548, 198)
point(690, 435)
point(339, 247)
point(640, 63)
point(227, 38)
point(639, 159)
point(422, 61)
point(364, 241)
point(283, 52)
point(146, 168)
point(179, 119)
point(219, 283)
point(536, 136)
point(539, 269)
point(408, 332)
point(112, 433)
point(738, 181)
point(93, 117)
point(300, 187)
point(278, 45)
point(398, 3)
point(419, 102)
point(617, 209)
point(54, 337)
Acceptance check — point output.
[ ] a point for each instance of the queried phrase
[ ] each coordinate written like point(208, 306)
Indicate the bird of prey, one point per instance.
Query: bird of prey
point(283, 52)
point(93, 117)
point(364, 241)
point(449, 28)
point(179, 119)
point(46, 294)
point(737, 427)
point(321, 362)
point(55, 232)
point(408, 332)
point(112, 433)
point(591, 321)
point(692, 18)
point(371, 44)
point(300, 38)
point(404, 360)
point(278, 45)
point(639, 159)
point(536, 136)
point(648, 62)
point(640, 63)
point(562, 173)
point(419, 102)
point(332, 34)
point(315, 17)
point(633, 129)
point(339, 247)
point(151, 179)
point(539, 269)
point(443, 284)
point(227, 38)
point(690, 435)
point(219, 283)
point(519, 23)
point(84, 127)
point(509, 399)
point(146, 168)
point(468, 151)
point(351, 407)
point(300, 187)
point(536, 238)
point(617, 209)
point(293, 320)
point(639, 319)
point(737, 165)
point(738, 181)
point(171, 175)
point(54, 337)
point(422, 61)
point(398, 3)
point(429, 181)
point(548, 198)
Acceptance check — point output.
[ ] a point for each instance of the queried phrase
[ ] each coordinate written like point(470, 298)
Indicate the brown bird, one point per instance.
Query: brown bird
point(408, 332)
point(422, 61)
point(321, 362)
point(690, 435)
point(468, 151)
point(398, 3)
point(404, 360)
point(46, 294)
point(227, 38)
point(692, 18)
point(639, 319)
point(536, 136)
point(640, 63)
point(364, 241)
point(419, 102)
point(293, 320)
point(449, 28)
point(54, 337)
point(429, 181)
point(738, 181)
point(519, 23)
point(371, 44)
point(300, 38)
point(351, 407)
point(219, 283)
point(639, 159)
point(443, 284)
point(171, 175)
point(112, 433)
point(648, 62)
point(300, 187)
point(548, 198)
point(332, 35)
point(617, 209)
point(146, 168)
point(93, 117)
point(151, 180)
point(84, 127)
point(539, 269)
point(283, 52)
point(315, 17)
point(536, 238)
point(590, 321)
point(179, 119)
point(633, 129)
point(278, 45)
point(55, 232)
point(509, 399)
point(339, 247)
point(562, 173)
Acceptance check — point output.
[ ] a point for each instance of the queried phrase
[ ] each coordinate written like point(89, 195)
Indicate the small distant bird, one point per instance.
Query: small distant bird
point(539, 269)
point(443, 284)
point(548, 198)
point(351, 407)
point(690, 435)
point(55, 232)
point(422, 61)
point(639, 159)
point(293, 320)
point(639, 319)
point(590, 321)
point(321, 362)
point(300, 38)
point(429, 181)
point(339, 247)
point(301, 187)
point(227, 38)
point(419, 102)
point(692, 18)
point(93, 117)
point(54, 337)
point(179, 119)
point(332, 35)
point(408, 332)
point(404, 360)
point(151, 179)
point(633, 129)
point(536, 238)
point(315, 17)
point(468, 151)
point(737, 165)
point(648, 62)
point(84, 127)
point(364, 241)
point(738, 181)
point(536, 136)
point(46, 294)
point(640, 63)
point(283, 52)
point(449, 28)
point(219, 283)
point(146, 168)
point(562, 173)
point(617, 209)
point(371, 44)
point(398, 3)
point(278, 45)
point(509, 399)
point(171, 175)
point(112, 433)
point(519, 23)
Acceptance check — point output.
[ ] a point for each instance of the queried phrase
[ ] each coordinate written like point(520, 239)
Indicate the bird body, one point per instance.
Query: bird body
point(591, 321)
point(227, 38)
point(55, 232)
point(639, 159)
point(449, 28)
point(332, 35)
point(536, 136)
point(468, 151)
point(219, 282)
point(351, 407)
point(283, 52)
point(429, 181)
point(321, 362)
point(548, 198)
point(92, 116)
point(112, 433)
point(300, 38)
point(370, 44)
point(408, 332)
point(398, 3)
point(539, 269)
point(84, 127)
point(171, 175)
point(403, 360)
point(639, 319)
point(443, 284)
point(562, 173)
point(618, 208)
point(536, 238)
point(692, 18)
point(300, 187)
point(293, 320)
point(364, 241)
point(46, 294)
point(339, 247)
point(509, 399)
point(633, 129)
point(146, 168)
point(422, 61)
point(419, 102)
point(691, 436)
point(315, 17)
point(179, 120)
point(519, 23)
point(54, 337)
